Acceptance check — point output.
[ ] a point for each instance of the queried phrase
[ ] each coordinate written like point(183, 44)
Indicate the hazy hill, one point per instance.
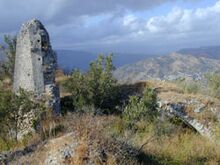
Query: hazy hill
point(208, 51)
point(168, 67)
point(69, 59)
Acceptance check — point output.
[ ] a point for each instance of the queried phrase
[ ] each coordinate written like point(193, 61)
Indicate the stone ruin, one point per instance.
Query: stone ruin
point(35, 64)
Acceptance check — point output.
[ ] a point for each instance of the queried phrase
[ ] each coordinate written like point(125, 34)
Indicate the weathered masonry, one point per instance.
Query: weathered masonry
point(35, 63)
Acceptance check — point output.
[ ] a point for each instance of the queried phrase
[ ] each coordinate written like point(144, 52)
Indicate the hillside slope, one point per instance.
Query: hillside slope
point(208, 51)
point(168, 67)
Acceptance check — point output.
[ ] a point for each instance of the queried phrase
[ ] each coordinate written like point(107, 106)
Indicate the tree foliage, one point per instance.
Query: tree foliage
point(10, 51)
point(188, 86)
point(13, 109)
point(77, 86)
point(97, 87)
point(214, 83)
point(141, 108)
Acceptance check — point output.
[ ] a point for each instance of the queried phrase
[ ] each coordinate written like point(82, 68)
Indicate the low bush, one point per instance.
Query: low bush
point(96, 88)
point(17, 112)
point(13, 109)
point(7, 68)
point(188, 86)
point(214, 84)
point(144, 108)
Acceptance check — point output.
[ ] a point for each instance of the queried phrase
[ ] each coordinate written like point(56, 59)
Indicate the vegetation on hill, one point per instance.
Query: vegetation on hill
point(7, 68)
point(144, 108)
point(13, 114)
point(96, 88)
point(104, 122)
point(214, 84)
point(107, 140)
point(211, 86)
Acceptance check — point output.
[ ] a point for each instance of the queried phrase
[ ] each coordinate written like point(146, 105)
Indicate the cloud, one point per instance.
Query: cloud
point(114, 25)
point(71, 15)
point(58, 12)
point(186, 21)
point(177, 29)
point(185, 27)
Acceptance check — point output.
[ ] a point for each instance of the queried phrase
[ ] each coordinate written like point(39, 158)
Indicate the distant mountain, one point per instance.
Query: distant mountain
point(121, 59)
point(168, 67)
point(208, 51)
point(69, 59)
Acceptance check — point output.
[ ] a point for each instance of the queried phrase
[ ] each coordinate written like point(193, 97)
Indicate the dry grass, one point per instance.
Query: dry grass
point(91, 144)
point(103, 140)
point(60, 78)
point(183, 148)
point(95, 146)
point(180, 147)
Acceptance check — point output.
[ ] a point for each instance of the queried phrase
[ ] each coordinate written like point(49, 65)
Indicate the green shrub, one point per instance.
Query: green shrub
point(96, 88)
point(7, 68)
point(213, 84)
point(167, 126)
point(78, 87)
point(144, 108)
point(13, 109)
point(189, 86)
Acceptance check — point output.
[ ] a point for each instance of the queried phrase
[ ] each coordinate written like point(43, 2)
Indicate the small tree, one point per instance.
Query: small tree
point(141, 108)
point(102, 85)
point(10, 52)
point(97, 87)
point(77, 86)
point(5, 98)
point(12, 111)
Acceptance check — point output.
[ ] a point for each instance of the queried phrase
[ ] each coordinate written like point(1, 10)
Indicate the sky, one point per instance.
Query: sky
point(126, 26)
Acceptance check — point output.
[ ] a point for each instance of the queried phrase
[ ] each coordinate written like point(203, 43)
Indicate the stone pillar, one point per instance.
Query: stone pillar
point(35, 63)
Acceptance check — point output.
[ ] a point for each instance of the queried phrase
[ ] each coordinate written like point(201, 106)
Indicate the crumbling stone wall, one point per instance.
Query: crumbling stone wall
point(35, 63)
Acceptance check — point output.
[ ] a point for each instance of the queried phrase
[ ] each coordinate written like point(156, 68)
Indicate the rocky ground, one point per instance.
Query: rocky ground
point(199, 106)
point(56, 151)
point(87, 144)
